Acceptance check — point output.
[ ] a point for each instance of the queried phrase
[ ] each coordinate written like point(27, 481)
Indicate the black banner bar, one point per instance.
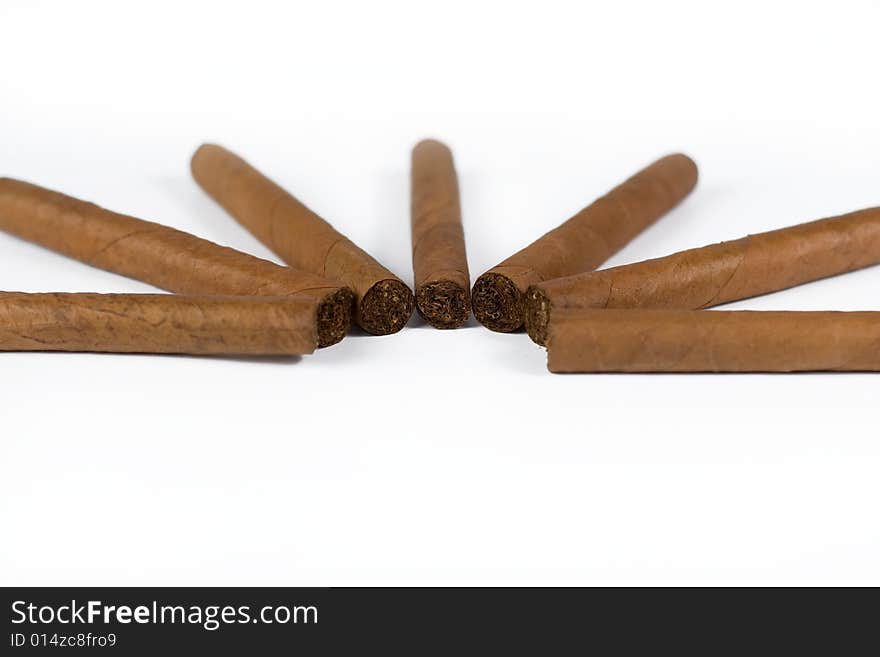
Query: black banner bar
point(134, 621)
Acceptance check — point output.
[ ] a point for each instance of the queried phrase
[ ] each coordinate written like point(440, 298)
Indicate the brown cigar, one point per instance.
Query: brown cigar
point(162, 256)
point(156, 323)
point(716, 274)
point(583, 242)
point(383, 304)
point(713, 341)
point(439, 260)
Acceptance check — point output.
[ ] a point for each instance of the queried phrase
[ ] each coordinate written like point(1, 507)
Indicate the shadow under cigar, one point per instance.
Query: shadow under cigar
point(736, 375)
point(274, 360)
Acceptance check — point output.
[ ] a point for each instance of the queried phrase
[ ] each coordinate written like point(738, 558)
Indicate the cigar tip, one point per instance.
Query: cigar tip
point(686, 161)
point(386, 307)
point(431, 144)
point(204, 149)
point(497, 303)
point(444, 304)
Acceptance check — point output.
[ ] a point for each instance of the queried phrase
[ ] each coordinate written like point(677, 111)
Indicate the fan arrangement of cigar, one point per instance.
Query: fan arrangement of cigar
point(645, 317)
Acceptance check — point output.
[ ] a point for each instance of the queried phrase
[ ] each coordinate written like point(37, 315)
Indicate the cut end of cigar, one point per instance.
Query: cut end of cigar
point(537, 315)
point(386, 307)
point(443, 304)
point(497, 303)
point(334, 317)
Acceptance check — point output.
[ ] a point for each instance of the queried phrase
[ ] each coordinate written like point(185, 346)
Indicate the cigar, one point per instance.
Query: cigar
point(440, 264)
point(713, 341)
point(583, 242)
point(383, 303)
point(162, 256)
point(157, 324)
point(716, 274)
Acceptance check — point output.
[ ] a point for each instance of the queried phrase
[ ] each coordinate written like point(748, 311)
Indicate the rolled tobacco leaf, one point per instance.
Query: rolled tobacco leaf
point(162, 256)
point(716, 274)
point(383, 303)
point(440, 266)
point(713, 341)
point(583, 242)
point(156, 324)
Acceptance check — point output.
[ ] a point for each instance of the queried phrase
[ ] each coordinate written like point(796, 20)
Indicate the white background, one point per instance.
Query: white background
point(433, 457)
